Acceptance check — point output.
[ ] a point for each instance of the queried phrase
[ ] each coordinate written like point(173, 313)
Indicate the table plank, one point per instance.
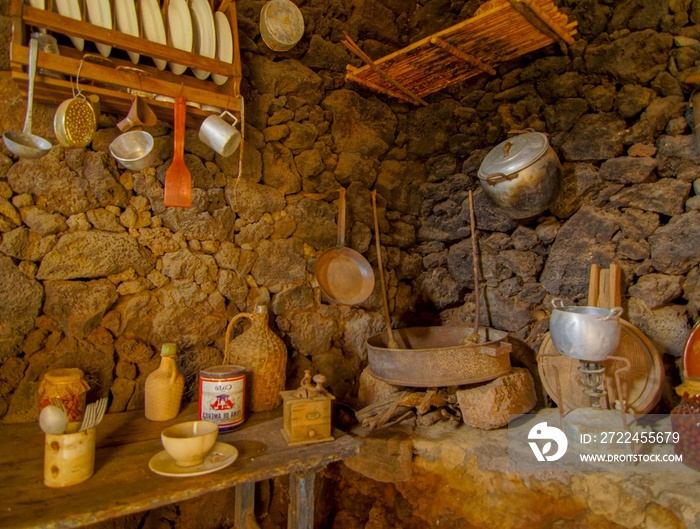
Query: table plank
point(123, 484)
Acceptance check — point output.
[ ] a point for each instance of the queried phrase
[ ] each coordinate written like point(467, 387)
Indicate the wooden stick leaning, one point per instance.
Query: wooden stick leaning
point(475, 337)
point(387, 319)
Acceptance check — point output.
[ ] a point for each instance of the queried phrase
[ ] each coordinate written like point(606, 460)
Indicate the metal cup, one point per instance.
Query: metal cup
point(218, 134)
point(47, 44)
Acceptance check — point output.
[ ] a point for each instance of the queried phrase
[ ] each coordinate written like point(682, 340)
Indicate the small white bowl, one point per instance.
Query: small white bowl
point(189, 442)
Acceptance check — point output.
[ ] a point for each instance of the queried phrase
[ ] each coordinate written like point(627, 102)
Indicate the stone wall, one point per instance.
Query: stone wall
point(95, 272)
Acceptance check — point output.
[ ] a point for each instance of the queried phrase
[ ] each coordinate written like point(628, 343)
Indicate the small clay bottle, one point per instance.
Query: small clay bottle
point(164, 387)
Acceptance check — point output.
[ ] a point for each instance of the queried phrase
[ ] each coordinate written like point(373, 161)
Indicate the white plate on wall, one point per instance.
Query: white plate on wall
point(127, 22)
point(71, 9)
point(180, 27)
point(153, 27)
point(224, 44)
point(204, 33)
point(100, 14)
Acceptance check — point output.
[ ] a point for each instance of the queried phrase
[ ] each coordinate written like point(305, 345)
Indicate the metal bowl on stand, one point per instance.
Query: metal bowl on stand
point(586, 333)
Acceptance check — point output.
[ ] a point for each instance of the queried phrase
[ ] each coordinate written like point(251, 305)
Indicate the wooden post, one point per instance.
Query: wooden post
point(244, 515)
point(301, 500)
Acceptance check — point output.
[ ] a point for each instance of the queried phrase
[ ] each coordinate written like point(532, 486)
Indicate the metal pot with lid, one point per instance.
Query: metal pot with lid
point(521, 175)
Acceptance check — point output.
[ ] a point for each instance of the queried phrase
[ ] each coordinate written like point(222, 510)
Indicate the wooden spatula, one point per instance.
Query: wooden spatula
point(178, 181)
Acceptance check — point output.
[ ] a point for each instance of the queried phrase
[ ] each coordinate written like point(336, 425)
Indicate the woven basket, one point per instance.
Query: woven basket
point(264, 356)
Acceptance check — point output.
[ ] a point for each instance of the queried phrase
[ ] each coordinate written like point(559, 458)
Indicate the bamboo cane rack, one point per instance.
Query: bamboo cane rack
point(501, 30)
point(111, 78)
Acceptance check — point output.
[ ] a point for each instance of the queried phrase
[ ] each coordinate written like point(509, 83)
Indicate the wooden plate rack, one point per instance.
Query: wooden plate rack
point(501, 30)
point(112, 78)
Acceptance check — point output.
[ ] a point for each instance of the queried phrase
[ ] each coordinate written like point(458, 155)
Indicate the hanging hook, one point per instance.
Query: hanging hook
point(77, 92)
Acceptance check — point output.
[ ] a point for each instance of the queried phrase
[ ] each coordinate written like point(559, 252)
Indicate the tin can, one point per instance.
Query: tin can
point(222, 396)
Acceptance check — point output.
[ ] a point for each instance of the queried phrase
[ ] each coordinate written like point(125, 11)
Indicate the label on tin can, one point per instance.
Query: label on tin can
point(222, 396)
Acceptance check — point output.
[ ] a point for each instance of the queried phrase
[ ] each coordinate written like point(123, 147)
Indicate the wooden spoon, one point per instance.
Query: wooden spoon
point(178, 181)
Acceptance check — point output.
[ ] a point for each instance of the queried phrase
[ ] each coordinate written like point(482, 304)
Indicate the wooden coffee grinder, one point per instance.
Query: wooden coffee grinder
point(307, 412)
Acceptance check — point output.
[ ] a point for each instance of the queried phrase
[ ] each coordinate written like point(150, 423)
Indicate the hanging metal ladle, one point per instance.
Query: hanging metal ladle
point(25, 144)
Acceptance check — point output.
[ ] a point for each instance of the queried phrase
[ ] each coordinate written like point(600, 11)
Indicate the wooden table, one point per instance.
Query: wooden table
point(123, 484)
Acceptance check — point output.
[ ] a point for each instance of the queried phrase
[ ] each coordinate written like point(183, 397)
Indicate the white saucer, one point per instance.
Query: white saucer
point(224, 44)
point(220, 456)
point(153, 27)
point(204, 33)
point(180, 28)
point(71, 9)
point(100, 14)
point(127, 22)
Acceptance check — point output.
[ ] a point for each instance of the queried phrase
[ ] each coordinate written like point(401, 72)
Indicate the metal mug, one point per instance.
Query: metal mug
point(218, 134)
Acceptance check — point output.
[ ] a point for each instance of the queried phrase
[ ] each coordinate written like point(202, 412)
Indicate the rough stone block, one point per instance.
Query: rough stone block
point(385, 457)
point(373, 390)
point(489, 407)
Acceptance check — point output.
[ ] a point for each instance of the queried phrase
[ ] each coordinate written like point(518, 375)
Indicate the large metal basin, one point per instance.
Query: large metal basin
point(437, 357)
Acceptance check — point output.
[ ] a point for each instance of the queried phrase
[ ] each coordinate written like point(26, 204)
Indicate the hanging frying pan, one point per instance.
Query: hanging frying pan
point(342, 273)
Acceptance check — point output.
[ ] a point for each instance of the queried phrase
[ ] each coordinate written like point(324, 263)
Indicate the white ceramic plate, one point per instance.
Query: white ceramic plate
point(153, 27)
point(71, 9)
point(100, 14)
point(204, 33)
point(220, 456)
point(180, 27)
point(224, 44)
point(125, 12)
point(167, 99)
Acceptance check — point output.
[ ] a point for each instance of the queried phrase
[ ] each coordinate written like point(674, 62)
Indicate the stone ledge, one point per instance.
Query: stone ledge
point(460, 475)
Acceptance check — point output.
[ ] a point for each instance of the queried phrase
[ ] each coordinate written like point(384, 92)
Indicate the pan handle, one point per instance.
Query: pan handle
point(341, 218)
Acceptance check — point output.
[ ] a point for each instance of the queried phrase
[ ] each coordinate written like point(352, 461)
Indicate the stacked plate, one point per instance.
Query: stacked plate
point(194, 29)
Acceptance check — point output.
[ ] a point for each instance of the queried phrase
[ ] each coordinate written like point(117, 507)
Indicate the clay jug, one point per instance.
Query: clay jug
point(164, 387)
point(264, 356)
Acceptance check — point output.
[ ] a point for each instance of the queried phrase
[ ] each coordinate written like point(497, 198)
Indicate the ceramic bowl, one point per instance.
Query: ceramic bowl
point(188, 442)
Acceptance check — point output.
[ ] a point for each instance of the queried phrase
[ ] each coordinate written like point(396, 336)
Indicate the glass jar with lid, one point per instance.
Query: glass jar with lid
point(64, 387)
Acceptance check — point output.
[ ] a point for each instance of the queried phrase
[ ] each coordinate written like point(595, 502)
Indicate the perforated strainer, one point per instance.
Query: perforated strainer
point(75, 121)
